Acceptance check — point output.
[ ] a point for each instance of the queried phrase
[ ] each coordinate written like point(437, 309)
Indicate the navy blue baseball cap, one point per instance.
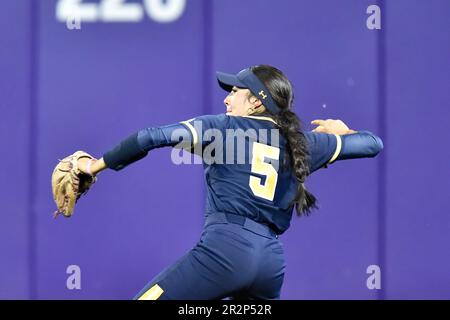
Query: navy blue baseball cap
point(246, 79)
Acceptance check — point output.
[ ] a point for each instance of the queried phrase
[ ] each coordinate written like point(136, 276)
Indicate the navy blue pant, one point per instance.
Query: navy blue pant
point(235, 258)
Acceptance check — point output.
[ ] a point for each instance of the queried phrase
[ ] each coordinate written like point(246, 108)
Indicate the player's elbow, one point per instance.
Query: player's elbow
point(376, 145)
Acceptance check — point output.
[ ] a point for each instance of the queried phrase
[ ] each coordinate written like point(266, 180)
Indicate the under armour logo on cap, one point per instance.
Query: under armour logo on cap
point(261, 93)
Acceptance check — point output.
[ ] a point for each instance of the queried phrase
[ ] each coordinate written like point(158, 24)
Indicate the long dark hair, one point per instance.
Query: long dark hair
point(288, 123)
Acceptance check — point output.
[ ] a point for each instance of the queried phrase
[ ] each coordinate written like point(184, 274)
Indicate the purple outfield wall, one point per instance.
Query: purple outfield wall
point(115, 78)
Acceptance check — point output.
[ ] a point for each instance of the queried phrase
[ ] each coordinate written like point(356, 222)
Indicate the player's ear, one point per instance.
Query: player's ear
point(255, 101)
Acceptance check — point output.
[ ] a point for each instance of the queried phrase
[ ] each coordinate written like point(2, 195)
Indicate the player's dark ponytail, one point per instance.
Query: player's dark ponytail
point(289, 124)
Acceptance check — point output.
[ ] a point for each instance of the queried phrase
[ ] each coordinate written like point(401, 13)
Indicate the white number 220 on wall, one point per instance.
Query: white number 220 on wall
point(162, 11)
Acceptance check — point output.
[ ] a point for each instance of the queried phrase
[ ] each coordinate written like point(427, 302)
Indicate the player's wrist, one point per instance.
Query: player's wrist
point(97, 166)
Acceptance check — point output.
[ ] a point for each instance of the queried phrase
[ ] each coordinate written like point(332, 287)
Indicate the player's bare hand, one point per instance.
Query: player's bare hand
point(331, 126)
point(83, 164)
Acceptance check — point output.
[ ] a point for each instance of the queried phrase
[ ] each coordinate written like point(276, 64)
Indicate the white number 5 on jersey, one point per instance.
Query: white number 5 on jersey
point(260, 152)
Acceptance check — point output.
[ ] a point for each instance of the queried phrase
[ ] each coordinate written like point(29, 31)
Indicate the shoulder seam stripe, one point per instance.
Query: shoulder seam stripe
point(192, 129)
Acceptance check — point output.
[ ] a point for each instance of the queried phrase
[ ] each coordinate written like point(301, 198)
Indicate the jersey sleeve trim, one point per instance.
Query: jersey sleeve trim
point(193, 131)
point(338, 148)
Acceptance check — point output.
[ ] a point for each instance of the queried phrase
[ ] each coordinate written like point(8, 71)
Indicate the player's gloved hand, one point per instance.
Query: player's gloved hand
point(70, 181)
point(331, 126)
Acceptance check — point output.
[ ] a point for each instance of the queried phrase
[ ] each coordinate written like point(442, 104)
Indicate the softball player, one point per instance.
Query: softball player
point(250, 199)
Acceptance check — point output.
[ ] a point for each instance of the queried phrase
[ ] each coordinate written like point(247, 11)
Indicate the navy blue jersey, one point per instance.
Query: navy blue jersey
point(249, 173)
point(247, 168)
